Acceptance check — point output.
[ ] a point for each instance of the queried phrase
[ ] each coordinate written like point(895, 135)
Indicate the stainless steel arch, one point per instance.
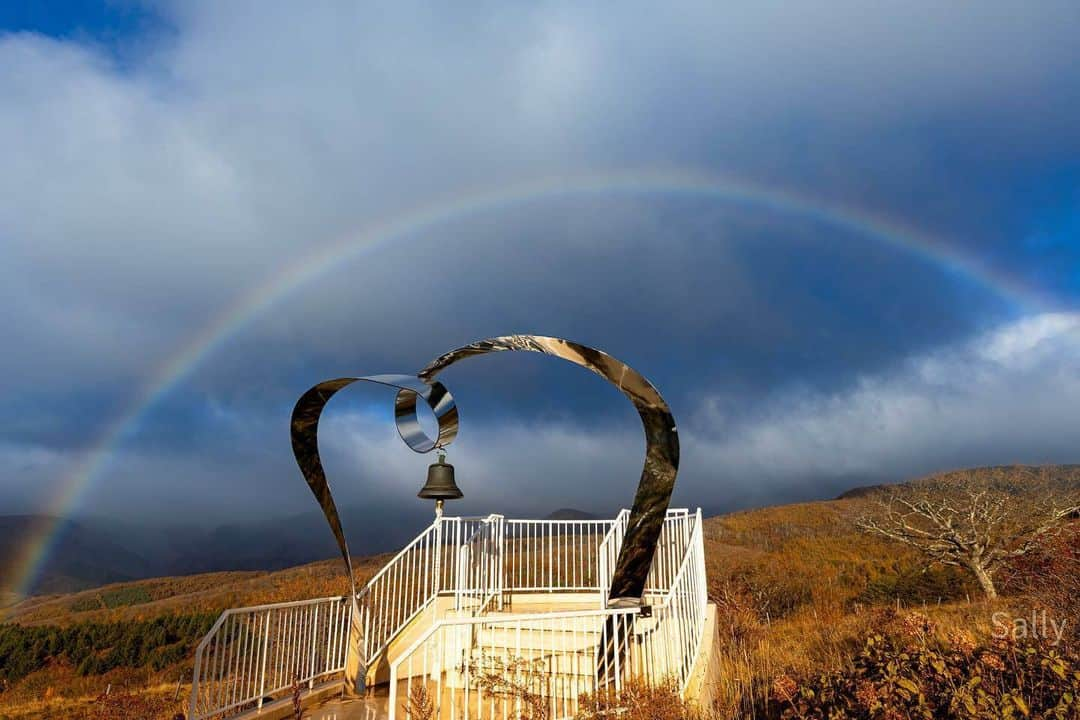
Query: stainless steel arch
point(650, 501)
point(661, 447)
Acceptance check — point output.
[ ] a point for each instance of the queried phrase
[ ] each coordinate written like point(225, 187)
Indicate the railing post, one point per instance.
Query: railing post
point(314, 635)
point(393, 691)
point(436, 580)
point(464, 558)
point(196, 673)
point(500, 561)
point(367, 633)
point(262, 662)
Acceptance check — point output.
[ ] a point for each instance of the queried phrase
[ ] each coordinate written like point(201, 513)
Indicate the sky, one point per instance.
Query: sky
point(842, 240)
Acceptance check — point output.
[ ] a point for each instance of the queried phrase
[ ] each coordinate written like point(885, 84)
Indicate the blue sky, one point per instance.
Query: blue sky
point(106, 23)
point(165, 163)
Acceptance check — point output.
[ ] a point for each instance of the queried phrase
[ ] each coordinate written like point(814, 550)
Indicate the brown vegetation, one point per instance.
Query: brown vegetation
point(640, 701)
point(976, 519)
point(807, 602)
point(919, 675)
point(1049, 577)
point(207, 593)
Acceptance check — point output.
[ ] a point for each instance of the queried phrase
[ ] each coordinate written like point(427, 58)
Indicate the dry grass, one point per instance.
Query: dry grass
point(798, 589)
point(60, 693)
point(810, 642)
point(640, 701)
point(211, 592)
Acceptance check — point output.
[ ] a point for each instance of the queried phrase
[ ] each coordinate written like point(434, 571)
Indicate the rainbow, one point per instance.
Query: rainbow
point(36, 550)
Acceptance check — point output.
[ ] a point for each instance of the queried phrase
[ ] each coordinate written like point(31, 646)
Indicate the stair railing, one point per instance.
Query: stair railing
point(609, 553)
point(253, 653)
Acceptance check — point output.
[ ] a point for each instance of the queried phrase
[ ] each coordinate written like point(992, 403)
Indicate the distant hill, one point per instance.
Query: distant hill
point(767, 547)
point(570, 514)
point(92, 552)
point(861, 492)
point(1064, 476)
point(82, 556)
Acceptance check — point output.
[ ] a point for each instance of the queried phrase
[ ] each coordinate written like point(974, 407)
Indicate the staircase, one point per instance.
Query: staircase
point(484, 614)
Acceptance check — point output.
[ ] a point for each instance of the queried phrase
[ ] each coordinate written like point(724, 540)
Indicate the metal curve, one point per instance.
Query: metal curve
point(661, 447)
point(305, 434)
point(304, 429)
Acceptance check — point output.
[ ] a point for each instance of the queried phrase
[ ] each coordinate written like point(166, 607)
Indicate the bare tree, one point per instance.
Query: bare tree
point(976, 519)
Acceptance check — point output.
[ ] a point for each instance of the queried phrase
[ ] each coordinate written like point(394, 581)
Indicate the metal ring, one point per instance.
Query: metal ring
point(442, 406)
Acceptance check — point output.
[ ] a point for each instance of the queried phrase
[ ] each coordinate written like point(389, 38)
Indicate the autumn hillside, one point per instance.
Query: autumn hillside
point(799, 589)
point(790, 555)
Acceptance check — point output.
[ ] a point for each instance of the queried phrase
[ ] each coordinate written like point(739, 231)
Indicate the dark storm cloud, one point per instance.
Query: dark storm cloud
point(139, 201)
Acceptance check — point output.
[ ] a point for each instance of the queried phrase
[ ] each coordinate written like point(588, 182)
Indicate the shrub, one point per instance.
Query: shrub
point(85, 604)
point(638, 700)
point(1050, 577)
point(925, 679)
point(913, 585)
point(419, 704)
point(125, 596)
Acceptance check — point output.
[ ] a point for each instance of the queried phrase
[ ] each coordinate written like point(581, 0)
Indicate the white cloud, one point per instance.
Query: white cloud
point(1011, 395)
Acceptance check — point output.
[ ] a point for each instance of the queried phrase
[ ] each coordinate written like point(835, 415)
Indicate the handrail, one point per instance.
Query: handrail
point(684, 566)
point(564, 653)
point(401, 553)
point(258, 608)
point(401, 594)
point(609, 552)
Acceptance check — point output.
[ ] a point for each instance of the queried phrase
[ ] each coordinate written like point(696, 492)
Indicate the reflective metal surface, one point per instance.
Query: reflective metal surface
point(305, 433)
point(305, 444)
point(654, 488)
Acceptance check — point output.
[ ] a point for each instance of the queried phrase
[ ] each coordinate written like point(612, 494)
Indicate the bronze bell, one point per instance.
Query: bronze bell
point(440, 483)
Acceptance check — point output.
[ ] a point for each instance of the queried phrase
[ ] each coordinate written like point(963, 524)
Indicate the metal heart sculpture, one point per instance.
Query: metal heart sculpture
point(657, 475)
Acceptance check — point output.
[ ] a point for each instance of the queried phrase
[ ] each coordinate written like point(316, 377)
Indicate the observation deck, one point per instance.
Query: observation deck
point(478, 617)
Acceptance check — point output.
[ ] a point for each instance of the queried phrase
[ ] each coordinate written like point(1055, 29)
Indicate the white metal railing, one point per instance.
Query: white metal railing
point(670, 550)
point(552, 555)
point(609, 553)
point(495, 667)
point(479, 567)
point(678, 622)
point(254, 653)
point(490, 666)
point(406, 585)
